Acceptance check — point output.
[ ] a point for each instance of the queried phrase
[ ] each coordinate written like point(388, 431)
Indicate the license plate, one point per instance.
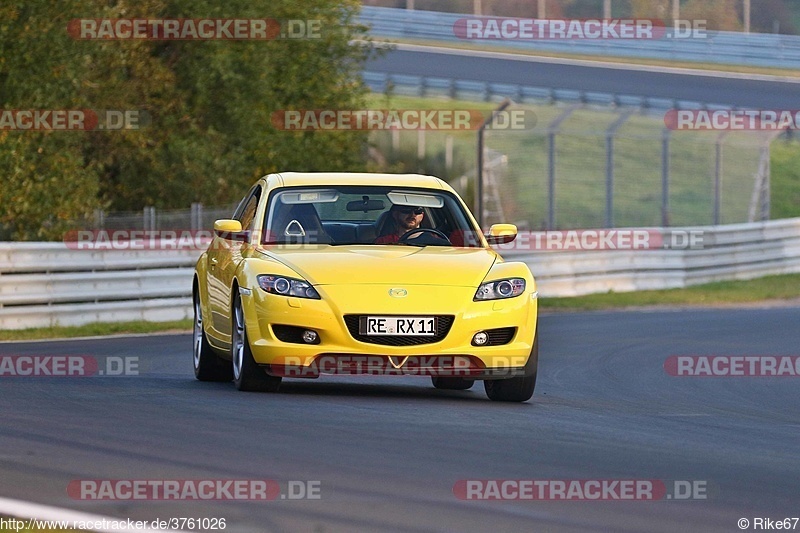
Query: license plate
point(418, 326)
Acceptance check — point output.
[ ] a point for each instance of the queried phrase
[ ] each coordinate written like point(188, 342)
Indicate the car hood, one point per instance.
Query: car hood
point(370, 264)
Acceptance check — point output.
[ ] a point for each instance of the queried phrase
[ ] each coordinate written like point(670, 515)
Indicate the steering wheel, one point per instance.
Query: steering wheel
point(436, 233)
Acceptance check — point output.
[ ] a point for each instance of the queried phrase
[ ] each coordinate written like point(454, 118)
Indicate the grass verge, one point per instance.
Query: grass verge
point(785, 179)
point(96, 329)
point(769, 288)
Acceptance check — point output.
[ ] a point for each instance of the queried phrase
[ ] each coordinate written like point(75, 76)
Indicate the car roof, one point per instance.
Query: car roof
point(298, 179)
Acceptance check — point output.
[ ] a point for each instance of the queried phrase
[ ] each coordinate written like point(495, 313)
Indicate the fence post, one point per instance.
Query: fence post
point(448, 154)
point(746, 16)
point(149, 218)
point(766, 204)
point(551, 179)
point(421, 148)
point(665, 178)
point(759, 198)
point(765, 195)
point(196, 216)
point(552, 130)
point(610, 133)
point(99, 219)
point(479, 173)
point(718, 177)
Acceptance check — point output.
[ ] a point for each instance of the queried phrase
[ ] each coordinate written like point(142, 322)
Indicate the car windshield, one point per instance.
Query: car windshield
point(341, 215)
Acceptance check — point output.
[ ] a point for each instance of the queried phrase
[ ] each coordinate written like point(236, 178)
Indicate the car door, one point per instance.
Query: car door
point(223, 258)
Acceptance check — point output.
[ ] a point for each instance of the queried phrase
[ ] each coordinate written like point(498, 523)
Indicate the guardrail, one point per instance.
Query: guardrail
point(44, 284)
point(731, 252)
point(755, 49)
point(422, 86)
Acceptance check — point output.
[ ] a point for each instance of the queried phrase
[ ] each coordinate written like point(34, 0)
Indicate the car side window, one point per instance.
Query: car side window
point(246, 212)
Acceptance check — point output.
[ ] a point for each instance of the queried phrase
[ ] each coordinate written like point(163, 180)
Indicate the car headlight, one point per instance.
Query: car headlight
point(287, 286)
point(504, 288)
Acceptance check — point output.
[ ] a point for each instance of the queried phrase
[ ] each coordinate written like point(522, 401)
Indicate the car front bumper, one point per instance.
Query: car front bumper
point(338, 351)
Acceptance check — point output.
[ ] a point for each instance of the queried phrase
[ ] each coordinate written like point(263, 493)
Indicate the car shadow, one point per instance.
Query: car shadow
point(384, 390)
point(349, 389)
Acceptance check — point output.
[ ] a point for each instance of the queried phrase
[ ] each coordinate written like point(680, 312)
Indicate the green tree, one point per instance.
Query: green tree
point(720, 14)
point(208, 106)
point(656, 9)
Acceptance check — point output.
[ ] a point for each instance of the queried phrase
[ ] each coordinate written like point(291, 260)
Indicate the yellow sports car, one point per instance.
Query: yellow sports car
point(336, 273)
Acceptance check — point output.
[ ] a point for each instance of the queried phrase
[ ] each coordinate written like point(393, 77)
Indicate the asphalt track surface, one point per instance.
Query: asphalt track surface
point(751, 93)
point(388, 451)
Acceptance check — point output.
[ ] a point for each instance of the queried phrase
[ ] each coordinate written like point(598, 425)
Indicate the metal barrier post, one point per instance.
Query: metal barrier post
point(479, 174)
point(610, 133)
point(665, 178)
point(718, 177)
point(552, 130)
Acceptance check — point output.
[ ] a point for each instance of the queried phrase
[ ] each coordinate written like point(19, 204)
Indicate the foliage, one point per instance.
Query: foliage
point(206, 107)
point(720, 14)
point(785, 179)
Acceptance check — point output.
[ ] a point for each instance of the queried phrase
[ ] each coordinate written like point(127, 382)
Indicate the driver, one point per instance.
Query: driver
point(404, 218)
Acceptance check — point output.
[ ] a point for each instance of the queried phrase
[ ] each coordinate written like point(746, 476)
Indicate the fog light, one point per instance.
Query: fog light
point(309, 337)
point(480, 338)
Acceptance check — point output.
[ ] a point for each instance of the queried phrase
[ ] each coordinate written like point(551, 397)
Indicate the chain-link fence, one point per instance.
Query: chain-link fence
point(585, 166)
point(197, 217)
point(580, 166)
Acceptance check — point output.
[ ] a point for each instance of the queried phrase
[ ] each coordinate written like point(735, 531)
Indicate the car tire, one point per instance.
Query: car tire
point(451, 383)
point(247, 375)
point(208, 366)
point(517, 389)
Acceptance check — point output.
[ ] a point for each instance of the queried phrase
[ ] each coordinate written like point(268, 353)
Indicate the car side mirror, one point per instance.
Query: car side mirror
point(501, 233)
point(230, 230)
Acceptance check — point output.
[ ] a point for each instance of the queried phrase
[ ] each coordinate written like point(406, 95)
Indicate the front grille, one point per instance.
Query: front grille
point(500, 336)
point(443, 325)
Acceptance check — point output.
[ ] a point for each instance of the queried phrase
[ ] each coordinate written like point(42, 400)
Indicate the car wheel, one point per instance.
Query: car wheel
point(517, 389)
point(450, 383)
point(247, 375)
point(208, 366)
